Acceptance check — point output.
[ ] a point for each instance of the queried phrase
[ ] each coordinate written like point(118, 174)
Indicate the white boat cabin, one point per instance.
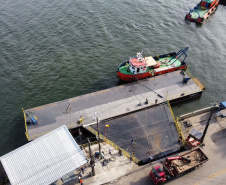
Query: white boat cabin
point(140, 64)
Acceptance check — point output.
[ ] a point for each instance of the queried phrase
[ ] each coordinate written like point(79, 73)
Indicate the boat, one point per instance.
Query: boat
point(202, 11)
point(140, 67)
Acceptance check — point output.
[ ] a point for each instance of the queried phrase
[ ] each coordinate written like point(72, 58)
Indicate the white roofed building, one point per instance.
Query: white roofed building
point(44, 160)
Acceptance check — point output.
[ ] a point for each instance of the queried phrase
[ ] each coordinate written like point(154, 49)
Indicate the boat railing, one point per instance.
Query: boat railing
point(180, 54)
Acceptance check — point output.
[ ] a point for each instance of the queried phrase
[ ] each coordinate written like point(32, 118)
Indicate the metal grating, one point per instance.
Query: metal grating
point(154, 129)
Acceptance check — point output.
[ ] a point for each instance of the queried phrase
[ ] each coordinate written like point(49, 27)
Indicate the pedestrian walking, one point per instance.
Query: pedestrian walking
point(79, 178)
point(109, 151)
point(80, 174)
point(81, 181)
point(83, 169)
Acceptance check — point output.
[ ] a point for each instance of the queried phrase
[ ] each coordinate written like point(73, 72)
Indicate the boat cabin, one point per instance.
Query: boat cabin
point(140, 64)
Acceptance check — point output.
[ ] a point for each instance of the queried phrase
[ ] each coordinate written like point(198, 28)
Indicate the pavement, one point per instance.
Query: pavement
point(122, 171)
point(211, 173)
point(117, 167)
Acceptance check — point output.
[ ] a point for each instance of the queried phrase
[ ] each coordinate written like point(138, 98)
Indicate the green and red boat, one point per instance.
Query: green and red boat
point(202, 11)
point(140, 67)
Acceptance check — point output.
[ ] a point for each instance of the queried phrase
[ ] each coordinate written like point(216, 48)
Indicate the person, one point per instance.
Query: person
point(132, 141)
point(150, 159)
point(109, 151)
point(81, 181)
point(156, 101)
point(80, 175)
point(102, 155)
point(83, 168)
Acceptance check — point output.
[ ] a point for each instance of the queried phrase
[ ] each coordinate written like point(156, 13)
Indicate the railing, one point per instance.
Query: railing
point(125, 153)
point(25, 120)
point(87, 144)
point(198, 83)
point(178, 126)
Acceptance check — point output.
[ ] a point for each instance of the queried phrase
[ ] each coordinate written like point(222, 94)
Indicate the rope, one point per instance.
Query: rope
point(148, 87)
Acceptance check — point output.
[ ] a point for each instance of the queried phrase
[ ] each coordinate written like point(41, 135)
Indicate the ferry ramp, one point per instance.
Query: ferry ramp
point(152, 131)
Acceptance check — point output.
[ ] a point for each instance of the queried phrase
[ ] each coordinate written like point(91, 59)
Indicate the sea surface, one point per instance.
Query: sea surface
point(55, 50)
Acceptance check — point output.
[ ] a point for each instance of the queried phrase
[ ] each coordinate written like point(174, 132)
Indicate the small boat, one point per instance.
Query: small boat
point(140, 67)
point(202, 11)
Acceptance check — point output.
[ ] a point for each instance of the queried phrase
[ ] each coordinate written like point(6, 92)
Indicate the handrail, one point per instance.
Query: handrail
point(177, 123)
point(25, 120)
point(198, 83)
point(179, 54)
point(125, 153)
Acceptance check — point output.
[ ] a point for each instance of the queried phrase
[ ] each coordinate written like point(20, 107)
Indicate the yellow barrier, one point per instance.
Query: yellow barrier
point(125, 153)
point(198, 83)
point(177, 123)
point(25, 120)
point(87, 144)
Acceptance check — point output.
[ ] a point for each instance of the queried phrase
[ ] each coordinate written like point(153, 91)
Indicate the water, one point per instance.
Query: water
point(54, 50)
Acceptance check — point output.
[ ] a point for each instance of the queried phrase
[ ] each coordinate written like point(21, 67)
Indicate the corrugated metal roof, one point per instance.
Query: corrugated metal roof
point(44, 160)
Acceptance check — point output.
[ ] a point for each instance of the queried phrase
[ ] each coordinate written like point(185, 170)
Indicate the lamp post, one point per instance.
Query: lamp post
point(208, 123)
point(105, 132)
point(98, 133)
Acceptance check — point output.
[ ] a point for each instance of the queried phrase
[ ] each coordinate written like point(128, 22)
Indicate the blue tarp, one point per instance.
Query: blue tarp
point(223, 104)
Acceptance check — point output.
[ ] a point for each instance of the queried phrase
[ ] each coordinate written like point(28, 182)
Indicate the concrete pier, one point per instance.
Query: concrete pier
point(109, 103)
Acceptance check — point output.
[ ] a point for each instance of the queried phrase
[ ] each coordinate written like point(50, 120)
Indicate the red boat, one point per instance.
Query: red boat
point(202, 11)
point(141, 67)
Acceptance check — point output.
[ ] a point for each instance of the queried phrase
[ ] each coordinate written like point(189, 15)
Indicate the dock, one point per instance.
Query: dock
point(110, 103)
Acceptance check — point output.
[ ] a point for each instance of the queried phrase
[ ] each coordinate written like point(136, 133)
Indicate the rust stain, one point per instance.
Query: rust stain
point(158, 139)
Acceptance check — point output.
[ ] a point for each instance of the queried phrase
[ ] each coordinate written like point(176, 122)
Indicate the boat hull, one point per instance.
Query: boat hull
point(205, 16)
point(130, 78)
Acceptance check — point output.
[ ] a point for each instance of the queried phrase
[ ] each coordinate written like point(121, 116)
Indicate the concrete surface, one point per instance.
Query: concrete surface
point(211, 173)
point(117, 167)
point(109, 103)
point(122, 171)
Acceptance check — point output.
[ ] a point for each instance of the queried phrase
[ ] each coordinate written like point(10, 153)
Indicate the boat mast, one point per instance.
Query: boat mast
point(139, 56)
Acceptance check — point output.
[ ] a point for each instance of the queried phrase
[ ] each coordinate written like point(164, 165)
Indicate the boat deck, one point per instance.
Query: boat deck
point(199, 12)
point(111, 102)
